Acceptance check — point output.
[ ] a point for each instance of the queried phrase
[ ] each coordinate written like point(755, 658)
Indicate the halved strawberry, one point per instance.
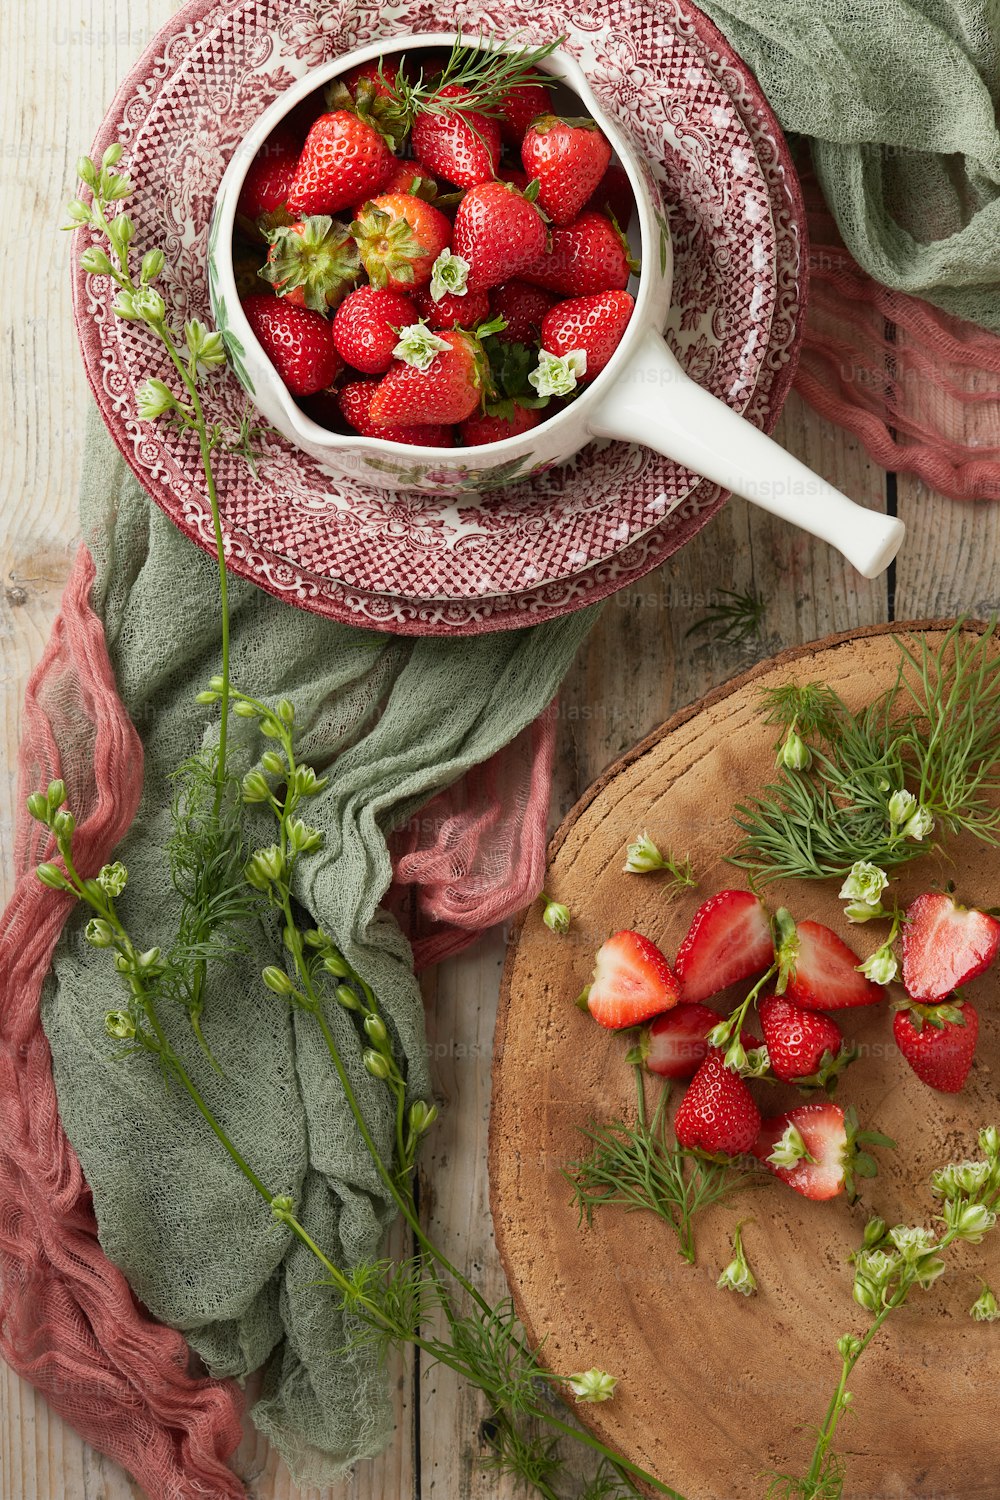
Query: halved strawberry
point(818, 970)
point(676, 1044)
point(945, 945)
point(728, 941)
point(717, 1112)
point(817, 1147)
point(938, 1042)
point(803, 1046)
point(632, 981)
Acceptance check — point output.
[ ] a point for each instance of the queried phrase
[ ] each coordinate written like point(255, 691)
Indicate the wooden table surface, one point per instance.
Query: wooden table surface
point(60, 64)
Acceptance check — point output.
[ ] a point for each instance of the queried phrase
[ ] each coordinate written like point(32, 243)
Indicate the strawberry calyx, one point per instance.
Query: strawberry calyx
point(634, 264)
point(831, 1065)
point(938, 1015)
point(544, 123)
point(857, 1161)
point(316, 255)
point(377, 107)
point(387, 245)
point(786, 947)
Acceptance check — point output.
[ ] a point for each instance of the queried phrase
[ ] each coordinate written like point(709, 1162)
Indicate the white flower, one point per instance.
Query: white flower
point(881, 967)
point(864, 885)
point(737, 1276)
point(592, 1385)
point(418, 346)
point(918, 825)
point(790, 1149)
point(449, 276)
point(911, 1242)
point(558, 374)
point(154, 398)
point(643, 856)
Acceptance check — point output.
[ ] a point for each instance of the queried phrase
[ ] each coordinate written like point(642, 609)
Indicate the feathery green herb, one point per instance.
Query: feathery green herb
point(642, 1167)
point(933, 736)
point(734, 620)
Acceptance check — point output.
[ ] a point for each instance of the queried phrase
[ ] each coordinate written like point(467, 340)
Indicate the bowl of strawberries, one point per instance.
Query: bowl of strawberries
point(443, 267)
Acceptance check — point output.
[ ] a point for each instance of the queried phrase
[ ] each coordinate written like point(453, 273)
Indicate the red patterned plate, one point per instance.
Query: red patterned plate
point(424, 564)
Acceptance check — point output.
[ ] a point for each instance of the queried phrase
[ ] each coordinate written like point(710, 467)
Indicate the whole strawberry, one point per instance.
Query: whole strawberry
point(399, 237)
point(355, 402)
point(497, 230)
point(594, 324)
point(447, 387)
point(265, 190)
point(586, 256)
point(938, 1042)
point(452, 310)
point(365, 327)
point(343, 160)
point(519, 107)
point(494, 427)
point(569, 158)
point(613, 195)
point(460, 145)
point(298, 342)
point(717, 1113)
point(523, 308)
point(803, 1046)
point(313, 263)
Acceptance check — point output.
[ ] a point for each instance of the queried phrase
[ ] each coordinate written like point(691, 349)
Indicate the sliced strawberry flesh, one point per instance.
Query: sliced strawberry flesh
point(825, 974)
point(728, 941)
point(824, 1134)
point(944, 946)
point(632, 982)
point(676, 1043)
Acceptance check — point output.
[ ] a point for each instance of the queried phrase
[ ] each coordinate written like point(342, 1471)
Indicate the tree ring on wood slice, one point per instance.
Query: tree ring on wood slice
point(715, 1389)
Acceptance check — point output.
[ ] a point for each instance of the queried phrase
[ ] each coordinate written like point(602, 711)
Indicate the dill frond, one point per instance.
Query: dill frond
point(735, 620)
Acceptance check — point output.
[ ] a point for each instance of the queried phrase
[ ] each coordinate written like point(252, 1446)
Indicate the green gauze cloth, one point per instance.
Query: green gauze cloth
point(395, 721)
point(899, 98)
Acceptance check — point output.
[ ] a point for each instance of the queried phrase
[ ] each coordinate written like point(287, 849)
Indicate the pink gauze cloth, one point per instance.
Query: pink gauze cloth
point(68, 1321)
point(918, 388)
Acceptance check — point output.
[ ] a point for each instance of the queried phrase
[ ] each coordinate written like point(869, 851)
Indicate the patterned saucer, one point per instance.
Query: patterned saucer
point(423, 564)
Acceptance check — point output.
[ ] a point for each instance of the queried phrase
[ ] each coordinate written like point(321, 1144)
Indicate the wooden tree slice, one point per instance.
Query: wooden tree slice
point(716, 1388)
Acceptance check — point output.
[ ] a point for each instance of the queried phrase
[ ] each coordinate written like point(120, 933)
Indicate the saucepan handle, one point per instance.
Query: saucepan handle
point(653, 401)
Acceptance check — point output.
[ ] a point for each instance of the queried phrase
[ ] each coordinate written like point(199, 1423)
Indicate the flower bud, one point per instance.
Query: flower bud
point(795, 754)
point(95, 262)
point(592, 1385)
point(901, 804)
point(79, 211)
point(255, 787)
point(989, 1141)
point(556, 917)
point(282, 1207)
point(153, 263)
point(422, 1116)
point(266, 866)
point(119, 1024)
point(38, 807)
point(737, 1276)
point(337, 965)
point(848, 1346)
point(154, 399)
point(206, 697)
point(377, 1065)
point(277, 980)
point(99, 933)
point(375, 1030)
point(286, 711)
point(124, 308)
point(149, 960)
point(64, 826)
point(56, 794)
point(302, 838)
point(346, 997)
point(865, 1294)
point(53, 877)
point(881, 967)
point(149, 305)
point(985, 1308)
point(875, 1231)
point(113, 154)
point(970, 1221)
point(273, 763)
point(86, 171)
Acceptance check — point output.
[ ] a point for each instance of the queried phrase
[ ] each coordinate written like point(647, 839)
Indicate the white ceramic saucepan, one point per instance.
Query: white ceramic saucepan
point(642, 395)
